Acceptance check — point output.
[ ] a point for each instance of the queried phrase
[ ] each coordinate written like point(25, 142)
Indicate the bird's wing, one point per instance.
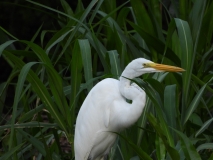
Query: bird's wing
point(102, 141)
point(107, 115)
point(96, 140)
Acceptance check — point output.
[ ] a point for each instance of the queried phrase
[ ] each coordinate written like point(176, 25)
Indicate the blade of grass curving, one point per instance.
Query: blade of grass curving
point(112, 23)
point(56, 87)
point(55, 81)
point(58, 37)
point(82, 19)
point(98, 5)
point(87, 61)
point(186, 44)
point(207, 55)
point(204, 127)
point(200, 82)
point(205, 146)
point(194, 103)
point(19, 88)
point(122, 15)
point(5, 45)
point(30, 114)
point(5, 31)
point(40, 89)
point(188, 149)
point(98, 46)
point(79, 22)
point(115, 63)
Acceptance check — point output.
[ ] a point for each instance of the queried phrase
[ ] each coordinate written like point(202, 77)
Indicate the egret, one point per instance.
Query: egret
point(105, 110)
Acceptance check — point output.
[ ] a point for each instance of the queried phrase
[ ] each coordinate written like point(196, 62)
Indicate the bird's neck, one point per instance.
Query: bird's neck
point(124, 79)
point(125, 85)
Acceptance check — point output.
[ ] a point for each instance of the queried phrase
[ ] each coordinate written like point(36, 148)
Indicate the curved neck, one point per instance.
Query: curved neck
point(125, 85)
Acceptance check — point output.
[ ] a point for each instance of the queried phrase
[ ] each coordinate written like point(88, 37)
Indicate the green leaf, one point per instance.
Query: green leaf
point(40, 89)
point(204, 127)
point(205, 146)
point(76, 74)
point(18, 91)
point(5, 45)
point(87, 61)
point(196, 17)
point(170, 105)
point(160, 148)
point(186, 45)
point(58, 37)
point(188, 149)
point(163, 135)
point(115, 63)
point(155, 98)
point(194, 103)
point(142, 17)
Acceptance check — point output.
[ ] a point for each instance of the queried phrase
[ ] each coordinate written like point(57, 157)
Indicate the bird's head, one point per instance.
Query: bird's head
point(141, 66)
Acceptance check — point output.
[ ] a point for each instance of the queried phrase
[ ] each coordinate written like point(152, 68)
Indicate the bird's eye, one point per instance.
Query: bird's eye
point(145, 65)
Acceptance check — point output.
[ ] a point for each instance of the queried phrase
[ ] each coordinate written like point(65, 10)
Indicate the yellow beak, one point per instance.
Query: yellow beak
point(163, 67)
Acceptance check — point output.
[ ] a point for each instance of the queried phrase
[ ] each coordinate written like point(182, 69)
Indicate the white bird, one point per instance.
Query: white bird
point(105, 110)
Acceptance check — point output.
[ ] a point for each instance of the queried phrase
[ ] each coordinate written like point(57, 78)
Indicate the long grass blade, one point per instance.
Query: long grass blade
point(87, 61)
point(76, 74)
point(205, 146)
point(186, 45)
point(41, 90)
point(193, 105)
point(170, 106)
point(115, 63)
point(204, 127)
point(19, 88)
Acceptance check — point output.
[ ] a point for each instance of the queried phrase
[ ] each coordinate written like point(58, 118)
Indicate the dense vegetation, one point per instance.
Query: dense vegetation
point(73, 48)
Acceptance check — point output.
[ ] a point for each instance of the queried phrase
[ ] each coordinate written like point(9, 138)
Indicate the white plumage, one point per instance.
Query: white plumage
point(105, 110)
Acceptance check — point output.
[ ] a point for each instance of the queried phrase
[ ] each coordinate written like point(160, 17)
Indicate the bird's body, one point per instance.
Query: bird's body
point(98, 138)
point(105, 111)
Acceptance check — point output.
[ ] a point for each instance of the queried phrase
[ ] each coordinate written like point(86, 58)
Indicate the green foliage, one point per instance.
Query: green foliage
point(53, 72)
